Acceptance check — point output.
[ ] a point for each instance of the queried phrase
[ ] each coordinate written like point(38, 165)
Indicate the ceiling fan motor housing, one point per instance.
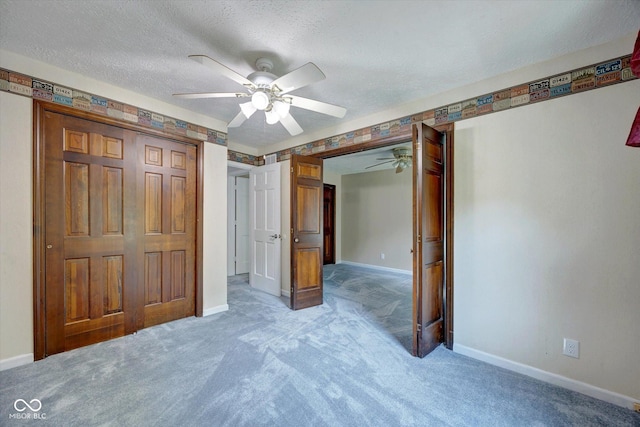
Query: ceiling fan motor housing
point(402, 152)
point(263, 77)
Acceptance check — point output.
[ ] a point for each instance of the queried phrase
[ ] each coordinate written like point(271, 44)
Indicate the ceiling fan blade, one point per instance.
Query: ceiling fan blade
point(385, 158)
point(317, 106)
point(246, 110)
point(237, 120)
point(378, 164)
point(210, 95)
point(291, 125)
point(303, 76)
point(223, 70)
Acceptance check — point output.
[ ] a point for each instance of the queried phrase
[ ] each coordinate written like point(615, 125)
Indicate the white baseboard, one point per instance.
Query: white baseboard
point(215, 310)
point(13, 362)
point(555, 379)
point(285, 293)
point(376, 267)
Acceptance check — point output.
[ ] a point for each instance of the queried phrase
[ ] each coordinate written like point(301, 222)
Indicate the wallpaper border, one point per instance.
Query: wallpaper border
point(582, 79)
point(578, 80)
point(37, 88)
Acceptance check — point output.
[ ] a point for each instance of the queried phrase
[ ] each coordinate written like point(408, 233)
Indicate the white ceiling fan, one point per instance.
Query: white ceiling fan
point(269, 93)
point(402, 159)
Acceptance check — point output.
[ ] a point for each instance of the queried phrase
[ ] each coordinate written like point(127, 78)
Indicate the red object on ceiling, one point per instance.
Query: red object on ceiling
point(634, 135)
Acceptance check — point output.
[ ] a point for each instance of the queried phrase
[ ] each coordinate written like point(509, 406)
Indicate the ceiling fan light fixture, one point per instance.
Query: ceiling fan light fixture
point(271, 116)
point(260, 100)
point(281, 107)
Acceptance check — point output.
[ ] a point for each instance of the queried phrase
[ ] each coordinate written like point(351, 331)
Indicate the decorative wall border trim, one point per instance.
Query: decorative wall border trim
point(36, 88)
point(595, 76)
point(236, 156)
point(578, 80)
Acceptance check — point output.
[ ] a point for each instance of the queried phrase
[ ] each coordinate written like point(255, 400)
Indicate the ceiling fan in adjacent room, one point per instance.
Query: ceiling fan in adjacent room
point(401, 159)
point(269, 93)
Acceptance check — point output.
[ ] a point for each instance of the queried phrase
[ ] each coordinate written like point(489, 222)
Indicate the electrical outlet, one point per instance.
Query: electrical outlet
point(636, 406)
point(381, 255)
point(571, 348)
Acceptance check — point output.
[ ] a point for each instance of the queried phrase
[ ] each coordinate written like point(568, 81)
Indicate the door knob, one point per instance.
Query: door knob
point(49, 246)
point(296, 240)
point(275, 236)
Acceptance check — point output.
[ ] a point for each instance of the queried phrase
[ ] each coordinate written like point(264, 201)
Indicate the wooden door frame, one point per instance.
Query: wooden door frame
point(39, 109)
point(332, 212)
point(448, 130)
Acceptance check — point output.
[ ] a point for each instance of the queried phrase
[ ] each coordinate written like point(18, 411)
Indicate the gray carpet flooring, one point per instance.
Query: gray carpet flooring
point(344, 363)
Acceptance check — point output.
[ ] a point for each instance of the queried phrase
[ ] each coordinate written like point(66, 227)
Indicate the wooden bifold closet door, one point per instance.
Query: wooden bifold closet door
point(119, 231)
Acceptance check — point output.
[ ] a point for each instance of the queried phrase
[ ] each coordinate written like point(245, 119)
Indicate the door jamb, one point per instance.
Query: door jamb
point(448, 130)
point(39, 109)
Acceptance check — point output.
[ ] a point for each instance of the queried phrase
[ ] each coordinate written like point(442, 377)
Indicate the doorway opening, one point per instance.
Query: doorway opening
point(238, 253)
point(373, 235)
point(433, 280)
point(432, 222)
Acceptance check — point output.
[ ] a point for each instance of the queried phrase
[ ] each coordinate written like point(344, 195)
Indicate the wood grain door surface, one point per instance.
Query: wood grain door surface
point(429, 238)
point(307, 235)
point(329, 221)
point(166, 226)
point(119, 232)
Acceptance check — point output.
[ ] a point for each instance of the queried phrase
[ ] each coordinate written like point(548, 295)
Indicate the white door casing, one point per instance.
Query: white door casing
point(243, 256)
point(264, 221)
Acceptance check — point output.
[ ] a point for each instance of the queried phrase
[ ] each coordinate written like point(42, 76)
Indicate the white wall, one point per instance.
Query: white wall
point(231, 220)
point(376, 219)
point(16, 257)
point(547, 236)
point(335, 179)
point(16, 261)
point(214, 256)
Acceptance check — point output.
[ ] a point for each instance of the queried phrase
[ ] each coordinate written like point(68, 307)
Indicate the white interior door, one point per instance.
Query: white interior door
point(243, 255)
point(264, 220)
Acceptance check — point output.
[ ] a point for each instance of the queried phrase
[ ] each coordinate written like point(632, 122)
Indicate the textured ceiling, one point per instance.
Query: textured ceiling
point(375, 54)
point(359, 162)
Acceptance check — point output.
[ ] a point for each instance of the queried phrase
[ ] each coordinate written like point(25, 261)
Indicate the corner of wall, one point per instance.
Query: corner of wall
point(285, 225)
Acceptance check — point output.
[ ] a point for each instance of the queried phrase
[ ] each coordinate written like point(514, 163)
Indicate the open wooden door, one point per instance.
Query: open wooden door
point(429, 238)
point(307, 201)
